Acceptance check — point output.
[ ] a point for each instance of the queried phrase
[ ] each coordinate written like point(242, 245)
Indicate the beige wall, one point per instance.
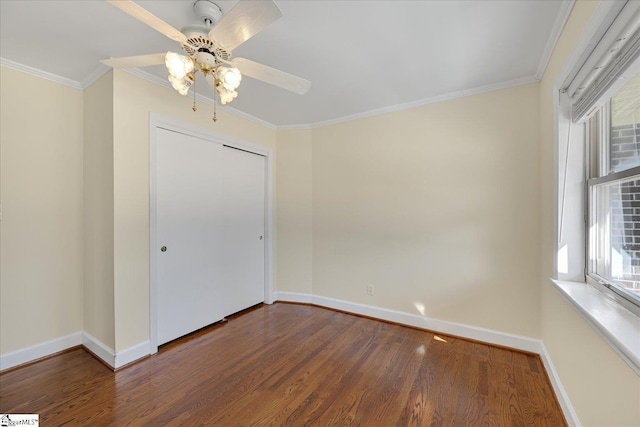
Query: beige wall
point(294, 212)
point(98, 210)
point(446, 209)
point(51, 211)
point(437, 207)
point(41, 239)
point(134, 99)
point(603, 390)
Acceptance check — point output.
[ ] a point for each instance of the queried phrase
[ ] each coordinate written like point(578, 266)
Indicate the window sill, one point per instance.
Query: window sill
point(619, 327)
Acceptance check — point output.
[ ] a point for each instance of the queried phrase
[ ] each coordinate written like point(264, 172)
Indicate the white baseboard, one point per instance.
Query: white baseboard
point(29, 354)
point(98, 348)
point(111, 358)
point(436, 325)
point(132, 354)
point(293, 297)
point(447, 328)
point(138, 351)
point(561, 393)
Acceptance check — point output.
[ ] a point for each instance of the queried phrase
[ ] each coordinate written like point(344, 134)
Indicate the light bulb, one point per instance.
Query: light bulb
point(232, 79)
point(229, 77)
point(178, 65)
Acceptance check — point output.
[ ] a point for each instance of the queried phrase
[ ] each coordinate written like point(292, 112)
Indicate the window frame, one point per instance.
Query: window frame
point(597, 158)
point(618, 326)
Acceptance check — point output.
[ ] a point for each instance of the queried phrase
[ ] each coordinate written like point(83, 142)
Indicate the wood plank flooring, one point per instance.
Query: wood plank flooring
point(293, 365)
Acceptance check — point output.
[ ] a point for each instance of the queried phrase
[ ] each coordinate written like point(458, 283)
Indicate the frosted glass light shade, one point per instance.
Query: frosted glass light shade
point(229, 77)
point(182, 85)
point(226, 96)
point(178, 65)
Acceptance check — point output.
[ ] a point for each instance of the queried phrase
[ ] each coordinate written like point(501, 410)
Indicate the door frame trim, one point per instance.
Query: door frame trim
point(157, 121)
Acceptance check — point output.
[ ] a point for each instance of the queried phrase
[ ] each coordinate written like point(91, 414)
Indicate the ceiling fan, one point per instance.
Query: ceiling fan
point(209, 45)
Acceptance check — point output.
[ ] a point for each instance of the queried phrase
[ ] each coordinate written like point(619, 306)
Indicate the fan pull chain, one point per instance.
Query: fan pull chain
point(195, 107)
point(215, 116)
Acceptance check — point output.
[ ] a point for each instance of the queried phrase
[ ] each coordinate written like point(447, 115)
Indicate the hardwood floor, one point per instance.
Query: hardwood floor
point(293, 365)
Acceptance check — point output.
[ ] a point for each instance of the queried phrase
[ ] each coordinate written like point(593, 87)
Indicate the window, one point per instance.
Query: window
point(598, 178)
point(613, 192)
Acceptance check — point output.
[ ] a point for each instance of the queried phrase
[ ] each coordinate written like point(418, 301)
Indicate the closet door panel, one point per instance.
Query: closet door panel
point(244, 227)
point(190, 219)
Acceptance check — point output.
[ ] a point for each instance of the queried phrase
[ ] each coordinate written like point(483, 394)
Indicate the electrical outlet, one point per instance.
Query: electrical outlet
point(370, 289)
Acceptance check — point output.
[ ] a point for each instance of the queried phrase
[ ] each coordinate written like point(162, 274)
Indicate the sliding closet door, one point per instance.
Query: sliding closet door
point(244, 225)
point(190, 253)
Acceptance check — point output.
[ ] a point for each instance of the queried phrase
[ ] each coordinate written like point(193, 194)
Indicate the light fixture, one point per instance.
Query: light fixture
point(227, 81)
point(182, 69)
point(229, 77)
point(226, 96)
point(178, 65)
point(182, 85)
point(207, 48)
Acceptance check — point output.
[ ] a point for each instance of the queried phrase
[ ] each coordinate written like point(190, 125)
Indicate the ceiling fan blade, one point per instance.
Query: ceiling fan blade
point(246, 19)
point(135, 61)
point(141, 14)
point(272, 76)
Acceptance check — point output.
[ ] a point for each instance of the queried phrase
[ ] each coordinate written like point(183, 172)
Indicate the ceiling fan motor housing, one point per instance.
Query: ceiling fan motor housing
point(198, 41)
point(207, 12)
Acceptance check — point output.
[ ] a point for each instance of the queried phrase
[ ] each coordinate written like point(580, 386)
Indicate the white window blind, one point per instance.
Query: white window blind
point(599, 76)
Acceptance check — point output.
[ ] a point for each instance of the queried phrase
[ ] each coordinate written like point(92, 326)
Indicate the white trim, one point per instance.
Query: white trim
point(109, 356)
point(98, 72)
point(443, 326)
point(158, 121)
point(391, 109)
point(579, 295)
point(562, 395)
point(39, 73)
point(247, 116)
point(419, 103)
point(153, 241)
point(141, 350)
point(619, 327)
point(165, 83)
point(268, 231)
point(293, 297)
point(561, 20)
point(131, 354)
point(489, 336)
point(98, 348)
point(199, 97)
point(101, 70)
point(37, 351)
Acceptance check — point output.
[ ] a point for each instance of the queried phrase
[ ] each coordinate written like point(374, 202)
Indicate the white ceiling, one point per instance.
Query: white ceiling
point(361, 56)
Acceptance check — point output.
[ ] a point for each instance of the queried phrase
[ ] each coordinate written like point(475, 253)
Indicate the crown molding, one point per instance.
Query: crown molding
point(101, 70)
point(561, 20)
point(39, 73)
point(419, 103)
point(199, 97)
point(98, 72)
